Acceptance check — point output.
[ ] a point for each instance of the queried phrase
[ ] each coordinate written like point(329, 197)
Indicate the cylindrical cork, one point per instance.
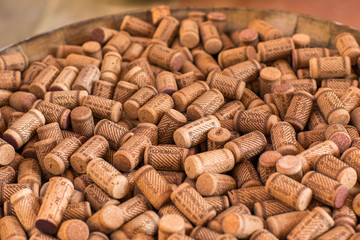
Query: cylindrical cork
point(283, 94)
point(352, 131)
point(149, 130)
point(247, 146)
point(266, 30)
point(10, 228)
point(81, 182)
point(133, 52)
point(312, 225)
point(65, 79)
point(145, 66)
point(316, 119)
point(347, 45)
point(228, 110)
point(159, 12)
point(115, 134)
point(119, 43)
point(246, 37)
point(9, 189)
point(205, 62)
point(14, 61)
point(64, 50)
point(241, 225)
point(103, 89)
point(290, 166)
point(28, 149)
point(339, 135)
point(34, 69)
point(287, 73)
point(166, 30)
point(42, 148)
point(95, 147)
point(174, 178)
point(134, 207)
point(92, 49)
point(146, 223)
point(81, 61)
point(26, 208)
point(53, 113)
point(43, 80)
point(98, 236)
point(329, 67)
point(110, 67)
point(197, 16)
point(171, 121)
point(325, 189)
point(247, 121)
point(166, 158)
point(206, 104)
point(216, 161)
point(169, 224)
point(108, 178)
point(355, 118)
point(192, 204)
point(299, 110)
point(267, 164)
point(191, 67)
point(269, 79)
point(219, 203)
point(24, 128)
point(218, 19)
point(307, 85)
point(283, 138)
point(213, 184)
point(203, 233)
point(275, 49)
point(53, 205)
point(185, 79)
point(270, 208)
point(210, 37)
point(301, 40)
point(189, 33)
point(104, 108)
point(82, 121)
point(155, 108)
point(98, 198)
point(185, 96)
point(102, 34)
point(301, 57)
point(80, 210)
point(165, 57)
point(289, 191)
point(355, 143)
point(331, 107)
point(106, 220)
point(58, 160)
point(248, 196)
point(123, 91)
point(350, 98)
point(153, 186)
point(268, 108)
point(5, 96)
point(7, 152)
point(230, 87)
point(217, 138)
point(29, 172)
point(172, 209)
point(344, 231)
point(246, 71)
point(345, 216)
point(69, 99)
point(10, 80)
point(165, 83)
point(73, 229)
point(136, 101)
point(234, 56)
point(125, 160)
point(250, 99)
point(85, 78)
point(245, 175)
point(51, 130)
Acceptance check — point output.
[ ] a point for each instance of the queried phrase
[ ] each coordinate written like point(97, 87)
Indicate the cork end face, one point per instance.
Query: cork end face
point(193, 168)
point(74, 229)
point(181, 139)
point(38, 90)
point(176, 62)
point(232, 224)
point(289, 165)
point(248, 35)
point(12, 140)
point(189, 40)
point(340, 116)
point(123, 161)
point(78, 163)
point(64, 121)
point(7, 153)
point(342, 140)
point(341, 196)
point(116, 111)
point(180, 102)
point(54, 165)
point(205, 185)
point(131, 109)
point(348, 177)
point(213, 45)
point(288, 150)
point(251, 53)
point(269, 158)
point(194, 113)
point(46, 227)
point(304, 199)
point(147, 115)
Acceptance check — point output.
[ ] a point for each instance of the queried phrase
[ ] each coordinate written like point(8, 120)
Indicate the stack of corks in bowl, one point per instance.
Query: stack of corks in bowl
point(193, 123)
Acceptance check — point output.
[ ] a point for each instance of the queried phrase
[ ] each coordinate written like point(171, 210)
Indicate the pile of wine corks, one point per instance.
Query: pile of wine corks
point(177, 129)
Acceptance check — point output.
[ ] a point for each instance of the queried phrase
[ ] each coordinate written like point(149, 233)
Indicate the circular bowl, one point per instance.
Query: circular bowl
point(322, 32)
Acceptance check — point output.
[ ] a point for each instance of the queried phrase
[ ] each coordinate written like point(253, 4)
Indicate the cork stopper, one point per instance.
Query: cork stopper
point(339, 135)
point(82, 121)
point(241, 225)
point(290, 166)
point(153, 110)
point(248, 37)
point(301, 40)
point(92, 49)
point(170, 224)
point(102, 34)
point(73, 229)
point(211, 184)
point(210, 37)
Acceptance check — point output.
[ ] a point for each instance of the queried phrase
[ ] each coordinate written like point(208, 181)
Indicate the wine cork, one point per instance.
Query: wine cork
point(80, 210)
point(53, 113)
point(203, 233)
point(339, 135)
point(165, 57)
point(287, 73)
point(65, 79)
point(268, 108)
point(110, 67)
point(119, 43)
point(185, 96)
point(103, 108)
point(245, 175)
point(250, 99)
point(5, 96)
point(131, 153)
point(51, 130)
point(267, 164)
point(192, 204)
point(228, 110)
point(92, 49)
point(85, 78)
point(5, 114)
point(169, 224)
point(303, 73)
point(7, 152)
point(145, 66)
point(10, 80)
point(189, 33)
point(155, 108)
point(298, 197)
point(218, 19)
point(355, 143)
point(347, 45)
point(153, 186)
point(299, 110)
point(98, 198)
point(166, 30)
point(265, 30)
point(248, 196)
point(123, 91)
point(344, 231)
point(247, 37)
point(159, 12)
point(64, 50)
point(210, 37)
point(302, 56)
point(241, 225)
point(217, 138)
point(82, 121)
point(165, 83)
point(352, 131)
point(171, 120)
point(329, 67)
point(133, 52)
point(81, 182)
point(102, 34)
point(350, 98)
point(42, 148)
point(108, 178)
point(345, 215)
point(205, 62)
point(197, 16)
point(301, 40)
point(95, 147)
point(219, 203)
point(173, 178)
point(189, 69)
point(275, 49)
point(73, 229)
point(325, 189)
point(9, 189)
point(28, 149)
point(283, 138)
point(134, 207)
point(136, 101)
point(212, 184)
point(69, 99)
point(166, 158)
point(24, 128)
point(58, 160)
point(216, 161)
point(247, 146)
point(34, 69)
point(268, 208)
point(312, 225)
point(338, 84)
point(269, 79)
point(290, 166)
point(146, 223)
point(186, 79)
point(53, 205)
point(149, 130)
point(43, 80)
point(114, 133)
point(316, 120)
point(106, 220)
point(247, 121)
point(234, 56)
point(283, 94)
point(173, 210)
point(29, 172)
point(97, 236)
point(103, 89)
point(81, 61)
point(354, 117)
point(331, 107)
point(14, 61)
point(11, 228)
point(230, 87)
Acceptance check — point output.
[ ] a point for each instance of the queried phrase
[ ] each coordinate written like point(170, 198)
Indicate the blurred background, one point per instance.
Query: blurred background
point(20, 19)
